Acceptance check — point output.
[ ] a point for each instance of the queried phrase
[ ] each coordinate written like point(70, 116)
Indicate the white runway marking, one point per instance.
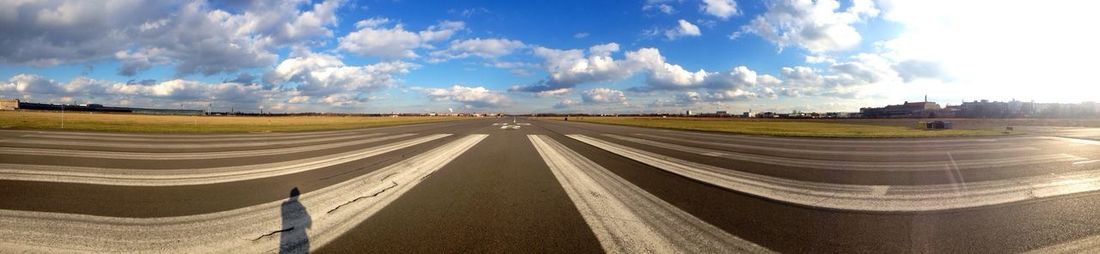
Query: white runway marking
point(841, 152)
point(325, 214)
point(178, 177)
point(226, 144)
point(194, 137)
point(822, 143)
point(625, 218)
point(901, 198)
point(1077, 140)
point(1085, 162)
point(1090, 244)
point(187, 155)
point(858, 165)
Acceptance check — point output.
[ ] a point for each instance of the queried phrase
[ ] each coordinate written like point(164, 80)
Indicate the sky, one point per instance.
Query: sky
point(646, 56)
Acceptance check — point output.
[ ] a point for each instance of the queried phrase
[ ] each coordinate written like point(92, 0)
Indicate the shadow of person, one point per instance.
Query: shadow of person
point(296, 220)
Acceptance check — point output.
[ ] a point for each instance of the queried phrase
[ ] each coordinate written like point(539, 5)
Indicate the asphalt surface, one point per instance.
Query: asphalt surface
point(486, 185)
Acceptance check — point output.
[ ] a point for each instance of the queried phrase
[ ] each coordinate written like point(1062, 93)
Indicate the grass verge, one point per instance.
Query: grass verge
point(789, 128)
point(106, 122)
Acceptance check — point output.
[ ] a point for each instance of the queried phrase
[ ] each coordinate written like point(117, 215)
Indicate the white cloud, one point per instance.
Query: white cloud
point(1040, 57)
point(570, 67)
point(603, 96)
point(476, 97)
point(555, 92)
point(484, 48)
point(604, 49)
point(566, 103)
point(395, 42)
point(723, 9)
point(816, 26)
point(371, 22)
point(196, 38)
point(580, 35)
point(658, 5)
point(683, 29)
point(170, 93)
point(324, 75)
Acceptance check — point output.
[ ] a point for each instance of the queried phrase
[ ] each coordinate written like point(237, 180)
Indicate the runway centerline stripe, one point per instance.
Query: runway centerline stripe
point(907, 198)
point(187, 155)
point(857, 165)
point(625, 218)
point(178, 177)
point(320, 216)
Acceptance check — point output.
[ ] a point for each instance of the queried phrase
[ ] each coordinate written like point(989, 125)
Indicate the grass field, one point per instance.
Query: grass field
point(794, 128)
point(85, 121)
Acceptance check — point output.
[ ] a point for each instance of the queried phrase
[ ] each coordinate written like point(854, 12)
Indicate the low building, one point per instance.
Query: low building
point(9, 104)
point(904, 110)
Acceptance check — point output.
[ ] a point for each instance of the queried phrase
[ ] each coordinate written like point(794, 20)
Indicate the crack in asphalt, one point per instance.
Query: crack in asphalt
point(362, 197)
point(273, 233)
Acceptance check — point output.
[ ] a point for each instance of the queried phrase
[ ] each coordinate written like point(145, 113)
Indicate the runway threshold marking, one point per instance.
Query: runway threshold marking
point(180, 177)
point(320, 216)
point(855, 165)
point(627, 219)
point(187, 155)
point(224, 144)
point(1000, 149)
point(900, 198)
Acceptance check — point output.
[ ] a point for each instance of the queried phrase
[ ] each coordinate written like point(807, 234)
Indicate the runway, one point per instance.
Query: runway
point(494, 185)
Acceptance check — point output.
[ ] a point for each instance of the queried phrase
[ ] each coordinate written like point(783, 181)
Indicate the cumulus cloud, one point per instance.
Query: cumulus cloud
point(555, 92)
point(913, 69)
point(658, 5)
point(816, 26)
point(470, 97)
point(148, 93)
point(566, 103)
point(196, 39)
point(723, 9)
point(320, 75)
point(570, 67)
point(394, 42)
point(603, 96)
point(683, 29)
point(847, 79)
point(484, 48)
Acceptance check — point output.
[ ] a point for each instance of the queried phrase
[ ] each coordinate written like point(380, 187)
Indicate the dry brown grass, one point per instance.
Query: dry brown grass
point(110, 122)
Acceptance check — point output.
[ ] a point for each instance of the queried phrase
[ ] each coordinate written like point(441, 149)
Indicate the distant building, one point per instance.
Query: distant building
point(687, 113)
point(9, 104)
point(905, 110)
point(105, 109)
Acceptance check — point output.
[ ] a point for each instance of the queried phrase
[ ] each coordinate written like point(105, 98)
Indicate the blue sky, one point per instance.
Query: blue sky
point(542, 56)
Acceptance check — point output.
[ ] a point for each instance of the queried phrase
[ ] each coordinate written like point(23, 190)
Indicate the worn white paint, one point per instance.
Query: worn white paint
point(860, 165)
point(331, 211)
point(187, 155)
point(177, 177)
point(627, 219)
point(901, 198)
